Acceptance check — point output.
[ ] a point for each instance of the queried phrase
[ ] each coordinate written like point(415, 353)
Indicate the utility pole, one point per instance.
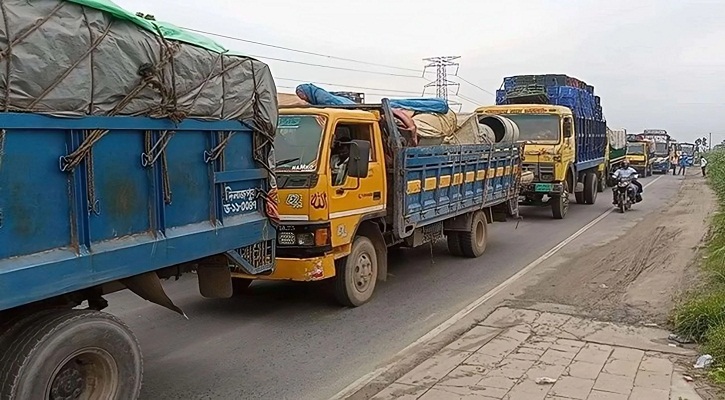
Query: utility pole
point(709, 143)
point(441, 82)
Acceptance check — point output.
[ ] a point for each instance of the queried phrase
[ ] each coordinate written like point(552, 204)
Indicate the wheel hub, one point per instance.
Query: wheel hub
point(363, 272)
point(69, 383)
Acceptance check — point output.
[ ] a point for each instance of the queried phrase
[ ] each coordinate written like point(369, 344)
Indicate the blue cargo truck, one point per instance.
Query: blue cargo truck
point(561, 122)
point(119, 167)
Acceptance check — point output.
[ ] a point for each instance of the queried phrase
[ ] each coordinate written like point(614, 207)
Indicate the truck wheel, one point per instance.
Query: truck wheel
point(560, 204)
point(357, 274)
point(72, 354)
point(454, 243)
point(579, 197)
point(473, 242)
point(590, 188)
point(602, 186)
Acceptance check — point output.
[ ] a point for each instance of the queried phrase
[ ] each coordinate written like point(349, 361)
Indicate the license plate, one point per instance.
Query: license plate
point(543, 187)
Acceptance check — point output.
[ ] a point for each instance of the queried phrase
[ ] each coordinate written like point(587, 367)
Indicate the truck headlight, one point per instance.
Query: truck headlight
point(305, 239)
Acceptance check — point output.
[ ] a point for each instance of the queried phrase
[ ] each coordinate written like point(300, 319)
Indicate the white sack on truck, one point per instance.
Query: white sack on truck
point(435, 129)
point(91, 57)
point(617, 138)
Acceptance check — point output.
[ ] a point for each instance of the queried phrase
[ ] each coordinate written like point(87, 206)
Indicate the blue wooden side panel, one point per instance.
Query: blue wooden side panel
point(110, 217)
point(445, 181)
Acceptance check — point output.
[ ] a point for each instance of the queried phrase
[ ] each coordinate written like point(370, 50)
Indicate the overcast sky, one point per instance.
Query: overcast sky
point(656, 64)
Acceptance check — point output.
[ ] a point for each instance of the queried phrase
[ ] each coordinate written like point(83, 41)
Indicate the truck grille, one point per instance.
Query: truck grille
point(255, 258)
point(542, 172)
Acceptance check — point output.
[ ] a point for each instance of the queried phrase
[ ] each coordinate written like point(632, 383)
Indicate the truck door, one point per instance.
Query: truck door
point(353, 197)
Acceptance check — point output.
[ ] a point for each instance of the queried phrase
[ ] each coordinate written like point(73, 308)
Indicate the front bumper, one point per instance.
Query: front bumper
point(298, 269)
point(547, 188)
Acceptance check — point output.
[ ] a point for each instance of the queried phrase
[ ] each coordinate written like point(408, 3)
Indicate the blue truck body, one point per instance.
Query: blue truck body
point(143, 198)
point(561, 90)
point(468, 177)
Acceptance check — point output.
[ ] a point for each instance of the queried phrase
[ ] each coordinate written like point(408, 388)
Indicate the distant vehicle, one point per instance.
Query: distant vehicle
point(640, 155)
point(561, 120)
point(687, 151)
point(662, 148)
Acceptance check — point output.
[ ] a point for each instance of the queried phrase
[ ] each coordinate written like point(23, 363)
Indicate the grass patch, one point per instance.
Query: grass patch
point(701, 316)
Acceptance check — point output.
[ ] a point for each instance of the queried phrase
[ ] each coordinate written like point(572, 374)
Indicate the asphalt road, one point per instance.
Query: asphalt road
point(291, 341)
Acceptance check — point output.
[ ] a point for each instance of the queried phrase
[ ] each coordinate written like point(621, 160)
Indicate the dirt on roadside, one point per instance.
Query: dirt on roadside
point(636, 278)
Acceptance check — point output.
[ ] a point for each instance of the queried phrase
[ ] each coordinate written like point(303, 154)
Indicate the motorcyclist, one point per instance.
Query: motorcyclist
point(626, 171)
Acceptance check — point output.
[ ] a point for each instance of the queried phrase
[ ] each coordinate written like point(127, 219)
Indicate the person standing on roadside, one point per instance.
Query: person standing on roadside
point(703, 165)
point(673, 162)
point(683, 165)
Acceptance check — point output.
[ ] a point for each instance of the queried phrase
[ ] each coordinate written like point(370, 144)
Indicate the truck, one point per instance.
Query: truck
point(640, 154)
point(662, 149)
point(119, 187)
point(339, 225)
point(614, 156)
point(561, 121)
point(687, 151)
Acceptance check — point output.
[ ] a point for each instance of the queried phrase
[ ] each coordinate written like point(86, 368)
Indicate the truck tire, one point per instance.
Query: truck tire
point(356, 274)
point(579, 197)
point(560, 204)
point(454, 243)
point(473, 241)
point(602, 186)
point(72, 354)
point(590, 188)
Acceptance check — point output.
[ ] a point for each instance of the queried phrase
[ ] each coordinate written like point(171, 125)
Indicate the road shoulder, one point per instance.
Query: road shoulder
point(626, 280)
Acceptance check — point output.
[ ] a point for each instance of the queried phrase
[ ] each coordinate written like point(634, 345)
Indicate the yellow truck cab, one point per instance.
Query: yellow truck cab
point(640, 154)
point(349, 188)
point(565, 153)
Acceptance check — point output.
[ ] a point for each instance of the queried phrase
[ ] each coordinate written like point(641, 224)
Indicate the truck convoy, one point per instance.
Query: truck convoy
point(337, 224)
point(561, 121)
point(662, 148)
point(119, 166)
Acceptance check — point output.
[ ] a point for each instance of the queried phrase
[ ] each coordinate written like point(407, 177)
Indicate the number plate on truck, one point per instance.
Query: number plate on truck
point(543, 187)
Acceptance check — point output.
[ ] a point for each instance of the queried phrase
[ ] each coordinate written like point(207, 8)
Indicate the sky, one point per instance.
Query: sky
point(655, 64)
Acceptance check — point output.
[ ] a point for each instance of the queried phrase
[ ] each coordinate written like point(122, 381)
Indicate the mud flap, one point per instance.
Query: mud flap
point(148, 287)
point(215, 278)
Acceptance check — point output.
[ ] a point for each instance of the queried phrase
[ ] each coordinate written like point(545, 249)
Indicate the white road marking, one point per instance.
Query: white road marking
point(367, 378)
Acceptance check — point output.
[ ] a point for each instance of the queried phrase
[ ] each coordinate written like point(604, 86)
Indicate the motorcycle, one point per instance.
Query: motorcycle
point(626, 195)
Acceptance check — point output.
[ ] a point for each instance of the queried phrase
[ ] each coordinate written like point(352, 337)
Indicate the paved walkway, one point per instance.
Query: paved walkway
point(505, 355)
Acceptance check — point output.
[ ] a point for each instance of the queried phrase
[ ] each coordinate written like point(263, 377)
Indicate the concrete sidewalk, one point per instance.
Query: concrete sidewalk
point(505, 355)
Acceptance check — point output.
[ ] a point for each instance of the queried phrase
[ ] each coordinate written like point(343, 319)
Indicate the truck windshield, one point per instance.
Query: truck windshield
point(688, 149)
point(536, 127)
point(661, 149)
point(635, 148)
point(298, 142)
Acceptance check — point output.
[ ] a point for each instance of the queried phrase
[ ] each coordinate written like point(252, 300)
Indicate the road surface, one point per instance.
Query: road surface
point(291, 341)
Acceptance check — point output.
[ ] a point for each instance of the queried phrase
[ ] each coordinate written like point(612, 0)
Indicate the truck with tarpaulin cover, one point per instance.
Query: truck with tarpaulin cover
point(662, 148)
point(614, 156)
point(339, 224)
point(134, 152)
point(561, 121)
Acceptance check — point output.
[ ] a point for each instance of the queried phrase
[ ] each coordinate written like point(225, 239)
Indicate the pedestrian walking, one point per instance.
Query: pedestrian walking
point(673, 162)
point(703, 165)
point(683, 165)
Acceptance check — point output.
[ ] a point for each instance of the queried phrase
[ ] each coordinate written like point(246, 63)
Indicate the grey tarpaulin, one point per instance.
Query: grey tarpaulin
point(91, 57)
point(63, 58)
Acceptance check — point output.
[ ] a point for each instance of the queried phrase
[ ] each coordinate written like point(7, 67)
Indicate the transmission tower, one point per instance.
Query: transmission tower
point(442, 83)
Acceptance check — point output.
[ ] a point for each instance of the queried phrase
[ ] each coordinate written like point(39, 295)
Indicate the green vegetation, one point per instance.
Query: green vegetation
point(701, 316)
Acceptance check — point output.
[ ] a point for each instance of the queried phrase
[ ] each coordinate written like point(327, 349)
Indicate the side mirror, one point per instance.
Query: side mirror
point(359, 159)
point(567, 128)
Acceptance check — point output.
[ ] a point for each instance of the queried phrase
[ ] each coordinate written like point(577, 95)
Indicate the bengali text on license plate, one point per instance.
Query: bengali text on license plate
point(543, 187)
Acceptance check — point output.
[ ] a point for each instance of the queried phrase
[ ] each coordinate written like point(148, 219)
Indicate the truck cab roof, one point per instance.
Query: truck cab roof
point(531, 108)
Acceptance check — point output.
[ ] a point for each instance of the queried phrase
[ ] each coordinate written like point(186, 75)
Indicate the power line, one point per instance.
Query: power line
point(311, 53)
point(474, 85)
point(333, 67)
point(471, 100)
point(441, 83)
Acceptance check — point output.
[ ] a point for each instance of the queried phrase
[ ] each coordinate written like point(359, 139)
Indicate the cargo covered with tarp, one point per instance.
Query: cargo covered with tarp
point(91, 57)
